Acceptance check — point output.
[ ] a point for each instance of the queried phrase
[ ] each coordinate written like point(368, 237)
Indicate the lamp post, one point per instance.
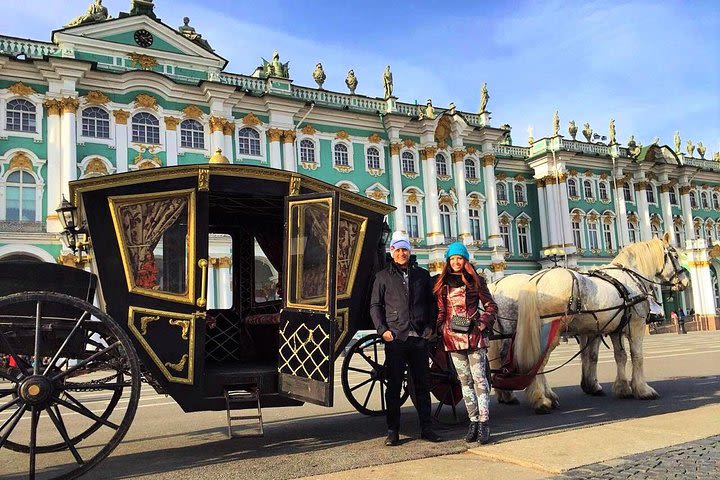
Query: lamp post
point(73, 236)
point(554, 255)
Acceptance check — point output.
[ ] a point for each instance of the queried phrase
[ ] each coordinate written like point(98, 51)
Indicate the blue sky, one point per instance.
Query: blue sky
point(652, 66)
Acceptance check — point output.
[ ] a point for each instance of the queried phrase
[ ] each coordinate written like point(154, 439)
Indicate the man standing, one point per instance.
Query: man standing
point(400, 308)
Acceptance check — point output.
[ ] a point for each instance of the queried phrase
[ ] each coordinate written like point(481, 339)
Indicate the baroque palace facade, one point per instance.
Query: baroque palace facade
point(112, 95)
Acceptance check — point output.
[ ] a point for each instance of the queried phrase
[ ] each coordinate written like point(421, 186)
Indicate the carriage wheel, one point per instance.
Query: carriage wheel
point(444, 383)
point(364, 378)
point(80, 399)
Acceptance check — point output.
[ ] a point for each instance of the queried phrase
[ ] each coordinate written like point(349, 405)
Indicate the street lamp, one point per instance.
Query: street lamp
point(73, 236)
point(554, 255)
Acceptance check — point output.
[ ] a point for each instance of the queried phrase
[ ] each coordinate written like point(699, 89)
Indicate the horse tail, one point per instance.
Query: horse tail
point(527, 335)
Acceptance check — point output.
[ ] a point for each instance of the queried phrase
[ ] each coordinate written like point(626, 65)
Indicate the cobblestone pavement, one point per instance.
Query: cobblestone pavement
point(692, 460)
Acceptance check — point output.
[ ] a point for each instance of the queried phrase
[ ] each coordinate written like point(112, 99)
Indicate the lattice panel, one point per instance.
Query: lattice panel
point(304, 351)
point(222, 343)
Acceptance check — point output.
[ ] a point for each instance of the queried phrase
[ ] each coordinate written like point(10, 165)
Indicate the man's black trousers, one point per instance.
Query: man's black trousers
point(412, 353)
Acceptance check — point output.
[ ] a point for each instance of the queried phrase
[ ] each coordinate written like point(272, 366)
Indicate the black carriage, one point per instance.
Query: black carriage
point(268, 343)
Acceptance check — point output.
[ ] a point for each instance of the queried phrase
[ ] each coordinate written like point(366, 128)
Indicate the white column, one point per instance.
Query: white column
point(224, 283)
point(553, 212)
point(687, 212)
point(667, 210)
point(228, 132)
point(566, 238)
point(494, 239)
point(68, 129)
point(464, 234)
point(434, 234)
point(171, 140)
point(621, 214)
point(211, 290)
point(289, 162)
point(643, 211)
point(700, 279)
point(542, 210)
point(397, 190)
point(54, 155)
point(217, 137)
point(121, 140)
point(275, 155)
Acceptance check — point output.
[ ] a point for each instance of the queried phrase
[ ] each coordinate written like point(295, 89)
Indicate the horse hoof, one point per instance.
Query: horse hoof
point(555, 403)
point(598, 393)
point(542, 410)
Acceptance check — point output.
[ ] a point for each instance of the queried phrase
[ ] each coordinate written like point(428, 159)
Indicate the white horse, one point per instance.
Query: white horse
point(614, 300)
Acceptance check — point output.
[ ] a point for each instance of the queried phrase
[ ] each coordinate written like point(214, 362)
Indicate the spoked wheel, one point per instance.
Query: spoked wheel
point(444, 383)
point(74, 392)
point(364, 376)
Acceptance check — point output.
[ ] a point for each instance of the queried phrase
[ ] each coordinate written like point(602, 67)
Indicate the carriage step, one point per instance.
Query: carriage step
point(239, 396)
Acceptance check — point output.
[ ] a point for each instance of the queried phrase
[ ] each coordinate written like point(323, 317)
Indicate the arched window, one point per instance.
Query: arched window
point(588, 190)
point(307, 151)
point(709, 230)
point(650, 193)
point(523, 238)
point(192, 134)
point(572, 187)
point(577, 232)
point(593, 235)
point(633, 232)
point(413, 220)
point(249, 142)
point(373, 158)
point(470, 170)
point(716, 201)
point(95, 123)
point(655, 230)
point(475, 229)
point(340, 152)
point(505, 235)
point(519, 194)
point(446, 221)
point(441, 165)
point(673, 196)
point(21, 116)
point(693, 199)
point(408, 162)
point(501, 192)
point(20, 197)
point(603, 191)
point(679, 229)
point(627, 192)
point(704, 200)
point(608, 234)
point(145, 128)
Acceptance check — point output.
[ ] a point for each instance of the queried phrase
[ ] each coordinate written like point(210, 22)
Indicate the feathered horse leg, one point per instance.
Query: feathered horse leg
point(621, 387)
point(590, 345)
point(640, 388)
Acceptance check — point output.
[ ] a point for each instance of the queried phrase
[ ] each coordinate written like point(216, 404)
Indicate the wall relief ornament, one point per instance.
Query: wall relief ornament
point(52, 106)
point(342, 135)
point(374, 138)
point(408, 143)
point(171, 123)
point(274, 134)
point(228, 127)
point(96, 166)
point(121, 116)
point(216, 124)
point(308, 130)
point(96, 98)
point(412, 198)
point(20, 161)
point(21, 89)
point(146, 62)
point(377, 194)
point(192, 111)
point(471, 150)
point(145, 101)
point(251, 120)
point(70, 104)
point(458, 155)
point(395, 148)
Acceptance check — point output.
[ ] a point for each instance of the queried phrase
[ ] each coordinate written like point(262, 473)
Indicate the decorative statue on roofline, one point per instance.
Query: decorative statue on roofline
point(142, 7)
point(678, 143)
point(96, 12)
point(587, 132)
point(429, 110)
point(388, 82)
point(613, 140)
point(701, 150)
point(319, 75)
point(484, 97)
point(572, 129)
point(631, 142)
point(189, 32)
point(556, 124)
point(716, 157)
point(351, 81)
point(275, 68)
point(690, 148)
point(452, 109)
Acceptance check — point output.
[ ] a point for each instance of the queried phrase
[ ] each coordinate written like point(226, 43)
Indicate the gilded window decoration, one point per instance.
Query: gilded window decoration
point(351, 235)
point(21, 89)
point(155, 233)
point(95, 123)
point(145, 101)
point(20, 116)
point(310, 226)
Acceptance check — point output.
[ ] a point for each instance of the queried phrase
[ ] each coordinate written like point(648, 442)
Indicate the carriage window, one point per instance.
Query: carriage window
point(220, 274)
point(266, 278)
point(155, 233)
point(351, 234)
point(308, 254)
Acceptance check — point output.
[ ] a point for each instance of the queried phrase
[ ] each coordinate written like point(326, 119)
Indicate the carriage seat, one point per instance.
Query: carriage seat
point(262, 319)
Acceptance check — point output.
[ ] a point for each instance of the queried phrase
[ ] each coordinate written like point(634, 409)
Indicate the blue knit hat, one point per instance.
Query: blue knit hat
point(457, 248)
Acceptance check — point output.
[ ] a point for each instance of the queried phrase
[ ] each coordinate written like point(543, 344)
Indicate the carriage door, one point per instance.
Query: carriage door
point(306, 346)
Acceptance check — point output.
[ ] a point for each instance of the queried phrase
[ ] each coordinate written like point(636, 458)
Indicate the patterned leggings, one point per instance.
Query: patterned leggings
point(470, 367)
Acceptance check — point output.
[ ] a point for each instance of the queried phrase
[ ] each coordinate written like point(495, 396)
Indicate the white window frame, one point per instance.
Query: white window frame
point(692, 197)
point(381, 158)
point(504, 184)
point(633, 231)
point(261, 140)
point(604, 185)
point(316, 147)
point(475, 167)
point(351, 161)
point(673, 193)
point(206, 137)
point(704, 200)
point(416, 162)
point(103, 141)
point(572, 184)
point(594, 233)
point(628, 187)
point(650, 191)
point(160, 126)
point(420, 209)
point(585, 183)
point(83, 164)
point(36, 100)
point(448, 166)
point(508, 233)
point(39, 182)
point(679, 231)
point(523, 192)
point(527, 235)
point(609, 229)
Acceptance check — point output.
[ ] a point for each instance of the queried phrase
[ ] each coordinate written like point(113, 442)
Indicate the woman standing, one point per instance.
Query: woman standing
point(463, 295)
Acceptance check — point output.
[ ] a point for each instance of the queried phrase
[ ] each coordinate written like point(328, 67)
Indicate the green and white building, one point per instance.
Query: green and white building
point(129, 93)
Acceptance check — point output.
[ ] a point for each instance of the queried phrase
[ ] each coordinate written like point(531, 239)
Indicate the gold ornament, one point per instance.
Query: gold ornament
point(96, 166)
point(70, 104)
point(342, 135)
point(21, 161)
point(289, 136)
point(171, 123)
point(121, 116)
point(374, 138)
point(52, 106)
point(146, 62)
point(21, 89)
point(251, 120)
point(145, 101)
point(96, 98)
point(308, 130)
point(275, 134)
point(192, 111)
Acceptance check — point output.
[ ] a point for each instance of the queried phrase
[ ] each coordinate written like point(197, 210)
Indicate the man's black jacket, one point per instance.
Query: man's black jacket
point(399, 309)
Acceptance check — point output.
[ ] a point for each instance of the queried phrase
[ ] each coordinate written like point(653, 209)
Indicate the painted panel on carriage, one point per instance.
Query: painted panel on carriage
point(172, 334)
point(351, 237)
point(156, 237)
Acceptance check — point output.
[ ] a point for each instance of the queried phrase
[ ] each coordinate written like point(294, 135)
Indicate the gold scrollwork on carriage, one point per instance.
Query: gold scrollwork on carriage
point(171, 349)
point(342, 323)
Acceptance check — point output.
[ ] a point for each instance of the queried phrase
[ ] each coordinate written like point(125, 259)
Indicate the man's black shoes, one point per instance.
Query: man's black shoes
point(393, 439)
point(430, 436)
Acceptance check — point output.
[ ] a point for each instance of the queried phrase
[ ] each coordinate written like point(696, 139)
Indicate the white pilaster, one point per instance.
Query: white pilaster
point(121, 140)
point(54, 156)
point(542, 210)
point(687, 212)
point(700, 278)
point(289, 162)
point(171, 140)
point(434, 234)
point(621, 214)
point(217, 124)
point(566, 238)
point(275, 156)
point(494, 239)
point(553, 212)
point(228, 133)
point(643, 211)
point(667, 209)
point(68, 133)
point(464, 233)
point(397, 190)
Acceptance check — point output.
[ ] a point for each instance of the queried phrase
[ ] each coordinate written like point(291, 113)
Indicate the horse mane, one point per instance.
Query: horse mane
point(641, 257)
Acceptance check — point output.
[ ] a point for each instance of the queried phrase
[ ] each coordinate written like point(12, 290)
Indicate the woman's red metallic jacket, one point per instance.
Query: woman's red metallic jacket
point(483, 320)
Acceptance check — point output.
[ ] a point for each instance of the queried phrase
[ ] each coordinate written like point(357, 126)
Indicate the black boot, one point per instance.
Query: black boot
point(429, 435)
point(472, 432)
point(484, 433)
point(393, 438)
